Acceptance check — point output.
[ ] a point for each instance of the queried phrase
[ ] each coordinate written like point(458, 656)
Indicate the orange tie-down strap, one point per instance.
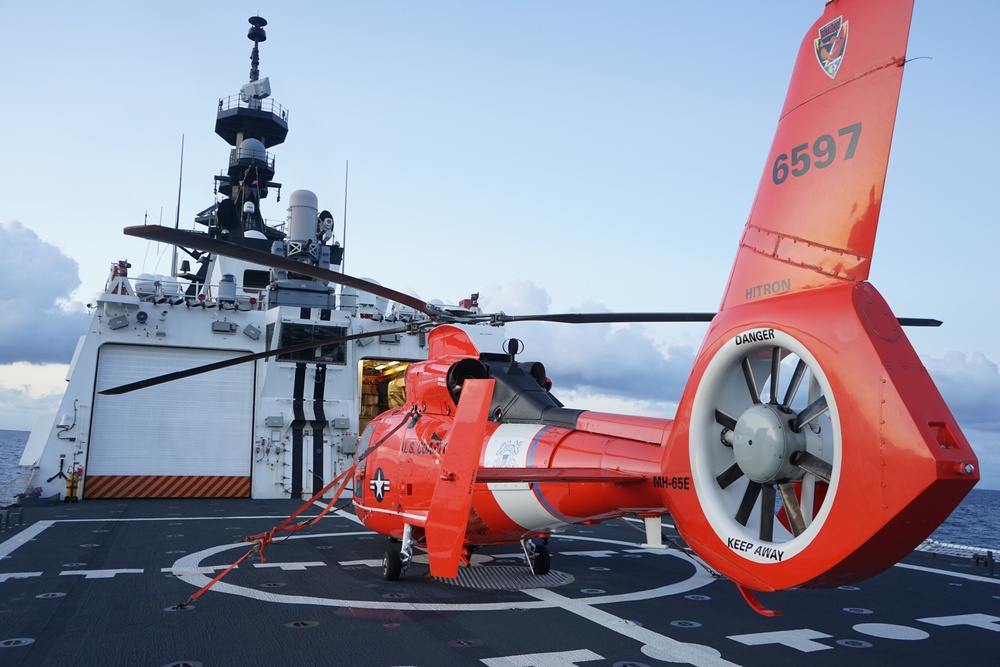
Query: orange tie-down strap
point(263, 539)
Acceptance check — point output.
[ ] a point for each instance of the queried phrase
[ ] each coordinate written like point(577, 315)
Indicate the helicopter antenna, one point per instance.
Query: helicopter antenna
point(513, 347)
point(343, 240)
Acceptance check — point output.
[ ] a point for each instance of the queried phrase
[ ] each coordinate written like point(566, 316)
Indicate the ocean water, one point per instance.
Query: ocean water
point(12, 476)
point(974, 523)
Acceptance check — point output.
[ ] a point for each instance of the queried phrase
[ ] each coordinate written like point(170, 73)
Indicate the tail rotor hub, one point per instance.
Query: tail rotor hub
point(765, 444)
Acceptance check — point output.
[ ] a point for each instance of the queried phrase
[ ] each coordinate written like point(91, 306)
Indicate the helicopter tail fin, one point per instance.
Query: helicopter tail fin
point(814, 217)
point(819, 449)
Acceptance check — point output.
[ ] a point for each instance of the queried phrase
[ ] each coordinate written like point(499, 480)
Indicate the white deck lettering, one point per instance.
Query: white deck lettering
point(800, 640)
point(984, 621)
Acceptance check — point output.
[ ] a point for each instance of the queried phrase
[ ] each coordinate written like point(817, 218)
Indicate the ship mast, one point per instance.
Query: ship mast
point(251, 124)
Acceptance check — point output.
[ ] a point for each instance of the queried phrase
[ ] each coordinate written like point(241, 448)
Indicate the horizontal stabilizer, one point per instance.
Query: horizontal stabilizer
point(494, 475)
point(448, 516)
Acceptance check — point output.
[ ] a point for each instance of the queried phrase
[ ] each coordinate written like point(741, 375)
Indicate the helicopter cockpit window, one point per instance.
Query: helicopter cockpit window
point(363, 443)
point(296, 334)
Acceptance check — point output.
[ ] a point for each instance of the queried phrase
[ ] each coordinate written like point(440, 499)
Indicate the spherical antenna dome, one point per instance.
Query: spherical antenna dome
point(251, 149)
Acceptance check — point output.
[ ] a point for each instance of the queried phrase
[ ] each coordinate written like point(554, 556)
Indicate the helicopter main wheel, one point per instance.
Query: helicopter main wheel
point(537, 555)
point(765, 446)
point(392, 564)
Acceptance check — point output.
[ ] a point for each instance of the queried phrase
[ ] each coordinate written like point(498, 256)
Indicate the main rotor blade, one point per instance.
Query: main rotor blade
point(235, 361)
point(229, 249)
point(615, 318)
point(918, 322)
point(607, 318)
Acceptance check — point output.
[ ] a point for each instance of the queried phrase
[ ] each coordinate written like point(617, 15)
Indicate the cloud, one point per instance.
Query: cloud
point(614, 365)
point(971, 388)
point(20, 406)
point(38, 322)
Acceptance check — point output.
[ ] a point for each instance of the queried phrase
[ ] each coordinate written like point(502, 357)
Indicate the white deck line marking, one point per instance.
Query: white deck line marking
point(4, 576)
point(984, 621)
point(11, 544)
point(343, 514)
point(556, 659)
point(949, 573)
point(98, 574)
point(212, 569)
point(288, 567)
point(355, 563)
point(29, 533)
point(654, 644)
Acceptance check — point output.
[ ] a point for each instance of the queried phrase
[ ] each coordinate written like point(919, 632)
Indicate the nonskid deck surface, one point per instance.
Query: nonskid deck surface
point(103, 582)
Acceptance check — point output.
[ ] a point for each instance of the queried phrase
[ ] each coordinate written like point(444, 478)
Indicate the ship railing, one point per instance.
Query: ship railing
point(951, 549)
point(236, 154)
point(15, 488)
point(206, 298)
point(267, 105)
point(209, 296)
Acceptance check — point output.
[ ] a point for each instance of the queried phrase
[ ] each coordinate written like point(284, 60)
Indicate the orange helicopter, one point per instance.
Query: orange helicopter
point(810, 447)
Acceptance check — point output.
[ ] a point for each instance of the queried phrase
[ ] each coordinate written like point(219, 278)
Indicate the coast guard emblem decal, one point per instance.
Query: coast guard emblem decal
point(831, 45)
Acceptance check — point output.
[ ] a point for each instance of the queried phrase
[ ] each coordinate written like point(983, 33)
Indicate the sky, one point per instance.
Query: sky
point(552, 156)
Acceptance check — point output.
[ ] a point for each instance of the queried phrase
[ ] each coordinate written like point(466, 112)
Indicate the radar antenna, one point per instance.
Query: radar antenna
point(257, 35)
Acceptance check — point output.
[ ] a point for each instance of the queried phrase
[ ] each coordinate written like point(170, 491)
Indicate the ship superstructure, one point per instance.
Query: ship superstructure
point(278, 427)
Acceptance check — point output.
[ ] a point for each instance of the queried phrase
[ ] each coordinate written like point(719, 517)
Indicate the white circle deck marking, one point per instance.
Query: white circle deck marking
point(891, 631)
point(185, 570)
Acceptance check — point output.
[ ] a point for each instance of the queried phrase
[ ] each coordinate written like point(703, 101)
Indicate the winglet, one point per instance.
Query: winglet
point(448, 514)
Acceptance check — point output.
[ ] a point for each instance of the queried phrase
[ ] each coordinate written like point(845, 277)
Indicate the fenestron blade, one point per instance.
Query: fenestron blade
point(226, 363)
point(722, 419)
point(729, 475)
point(767, 501)
point(237, 251)
point(775, 371)
point(746, 505)
point(751, 381)
point(812, 411)
point(792, 509)
point(794, 383)
point(813, 464)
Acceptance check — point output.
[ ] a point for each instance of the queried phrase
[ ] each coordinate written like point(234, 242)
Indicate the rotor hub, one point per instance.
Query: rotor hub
point(764, 442)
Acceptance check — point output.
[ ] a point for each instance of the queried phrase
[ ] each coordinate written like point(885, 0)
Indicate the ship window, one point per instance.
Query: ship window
point(256, 280)
point(297, 334)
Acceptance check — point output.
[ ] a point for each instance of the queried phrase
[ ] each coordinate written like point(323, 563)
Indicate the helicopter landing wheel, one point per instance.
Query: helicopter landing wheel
point(392, 564)
point(537, 556)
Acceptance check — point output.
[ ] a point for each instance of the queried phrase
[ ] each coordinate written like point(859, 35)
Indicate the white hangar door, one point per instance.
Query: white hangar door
point(191, 438)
